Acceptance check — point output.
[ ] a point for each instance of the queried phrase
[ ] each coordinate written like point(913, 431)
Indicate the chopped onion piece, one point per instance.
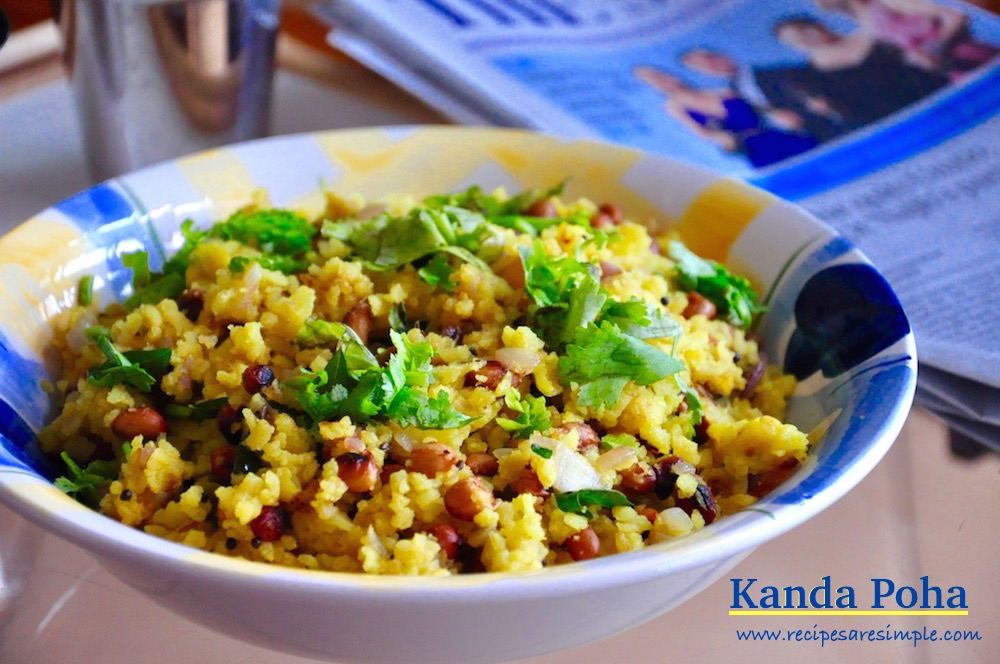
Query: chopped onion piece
point(574, 472)
point(614, 458)
point(519, 360)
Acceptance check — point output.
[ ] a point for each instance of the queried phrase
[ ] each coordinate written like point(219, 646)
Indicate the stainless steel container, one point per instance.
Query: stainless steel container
point(157, 79)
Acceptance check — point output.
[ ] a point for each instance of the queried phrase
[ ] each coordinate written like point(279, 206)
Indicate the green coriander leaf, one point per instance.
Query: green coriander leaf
point(155, 361)
point(581, 502)
point(414, 408)
point(316, 332)
point(86, 484)
point(311, 390)
point(602, 359)
point(603, 390)
point(491, 206)
point(272, 231)
point(733, 295)
point(138, 262)
point(467, 256)
point(528, 225)
point(85, 291)
point(693, 400)
point(386, 242)
point(532, 415)
point(437, 272)
point(170, 282)
point(549, 280)
point(528, 197)
point(586, 303)
point(613, 440)
point(355, 353)
point(169, 285)
point(641, 320)
point(397, 318)
point(120, 368)
point(543, 452)
point(411, 361)
point(361, 402)
point(283, 264)
point(246, 461)
point(472, 198)
point(199, 412)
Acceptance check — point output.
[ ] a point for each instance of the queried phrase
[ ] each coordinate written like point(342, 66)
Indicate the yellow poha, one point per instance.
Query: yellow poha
point(469, 383)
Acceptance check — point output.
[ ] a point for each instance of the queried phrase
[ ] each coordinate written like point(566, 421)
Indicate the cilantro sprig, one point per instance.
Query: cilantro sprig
point(151, 287)
point(491, 206)
point(199, 412)
point(603, 359)
point(283, 238)
point(613, 440)
point(87, 483)
point(138, 368)
point(388, 242)
point(464, 226)
point(277, 232)
point(354, 384)
point(585, 501)
point(734, 296)
point(601, 339)
point(531, 414)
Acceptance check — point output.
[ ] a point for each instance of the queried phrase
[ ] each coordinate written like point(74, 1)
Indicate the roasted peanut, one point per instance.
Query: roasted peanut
point(613, 211)
point(221, 459)
point(543, 208)
point(601, 221)
point(489, 376)
point(529, 483)
point(387, 471)
point(588, 437)
point(447, 538)
point(432, 457)
point(359, 471)
point(697, 305)
point(482, 463)
point(467, 498)
point(359, 319)
point(143, 421)
point(270, 524)
point(638, 479)
point(583, 545)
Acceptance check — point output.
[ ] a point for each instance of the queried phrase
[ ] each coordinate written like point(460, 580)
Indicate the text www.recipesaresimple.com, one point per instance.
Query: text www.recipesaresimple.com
point(868, 635)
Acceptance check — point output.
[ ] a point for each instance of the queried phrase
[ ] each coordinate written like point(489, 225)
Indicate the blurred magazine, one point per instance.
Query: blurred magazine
point(882, 117)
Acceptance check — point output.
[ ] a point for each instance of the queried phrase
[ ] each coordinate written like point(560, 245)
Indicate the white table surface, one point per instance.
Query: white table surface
point(921, 511)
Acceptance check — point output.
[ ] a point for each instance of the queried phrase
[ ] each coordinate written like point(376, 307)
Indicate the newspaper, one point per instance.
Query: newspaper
point(880, 116)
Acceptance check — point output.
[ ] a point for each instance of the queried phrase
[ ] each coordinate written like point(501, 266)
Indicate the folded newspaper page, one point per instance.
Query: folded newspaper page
point(880, 116)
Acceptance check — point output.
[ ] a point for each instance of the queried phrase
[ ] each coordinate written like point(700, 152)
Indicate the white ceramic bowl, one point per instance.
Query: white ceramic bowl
point(833, 321)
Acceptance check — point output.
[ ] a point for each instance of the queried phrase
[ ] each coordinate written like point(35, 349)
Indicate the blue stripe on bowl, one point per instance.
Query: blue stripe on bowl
point(18, 448)
point(115, 226)
point(96, 206)
point(877, 395)
point(20, 385)
point(24, 407)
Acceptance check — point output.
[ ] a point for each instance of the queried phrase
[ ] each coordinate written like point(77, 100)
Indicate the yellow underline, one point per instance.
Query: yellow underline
point(848, 612)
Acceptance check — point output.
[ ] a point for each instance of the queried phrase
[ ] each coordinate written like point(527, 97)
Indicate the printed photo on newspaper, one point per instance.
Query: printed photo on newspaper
point(880, 116)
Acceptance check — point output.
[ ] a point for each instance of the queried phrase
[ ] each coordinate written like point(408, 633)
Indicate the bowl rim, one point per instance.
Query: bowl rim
point(737, 533)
